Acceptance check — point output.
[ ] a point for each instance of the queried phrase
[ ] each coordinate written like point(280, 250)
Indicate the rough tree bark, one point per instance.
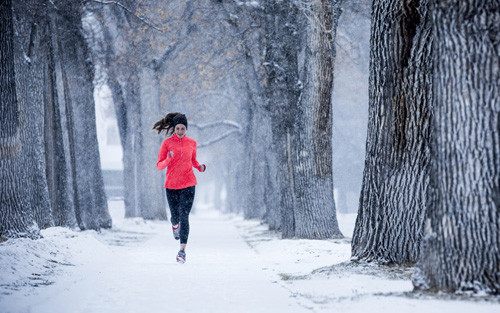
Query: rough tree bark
point(311, 151)
point(461, 245)
point(258, 136)
point(9, 114)
point(76, 79)
point(30, 71)
point(282, 92)
point(58, 174)
point(16, 214)
point(299, 67)
point(395, 179)
point(150, 184)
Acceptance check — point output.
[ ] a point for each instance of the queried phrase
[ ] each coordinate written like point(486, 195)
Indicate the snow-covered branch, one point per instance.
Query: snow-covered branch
point(218, 123)
point(130, 12)
point(237, 130)
point(226, 134)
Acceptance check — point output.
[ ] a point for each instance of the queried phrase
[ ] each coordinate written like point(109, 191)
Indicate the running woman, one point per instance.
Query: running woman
point(178, 155)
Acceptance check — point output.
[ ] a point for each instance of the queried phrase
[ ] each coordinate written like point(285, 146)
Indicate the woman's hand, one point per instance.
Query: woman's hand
point(202, 168)
point(171, 154)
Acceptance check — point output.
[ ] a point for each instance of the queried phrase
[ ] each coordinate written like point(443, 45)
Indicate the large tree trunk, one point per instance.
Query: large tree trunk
point(258, 136)
point(282, 92)
point(59, 180)
point(302, 114)
point(461, 246)
point(395, 179)
point(130, 132)
point(10, 142)
point(30, 73)
point(311, 152)
point(151, 190)
point(16, 213)
point(79, 119)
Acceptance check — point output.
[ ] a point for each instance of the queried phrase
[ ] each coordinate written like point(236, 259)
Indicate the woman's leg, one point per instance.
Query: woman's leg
point(173, 204)
point(186, 199)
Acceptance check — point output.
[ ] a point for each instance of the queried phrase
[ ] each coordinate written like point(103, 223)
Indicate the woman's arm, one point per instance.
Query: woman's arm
point(197, 165)
point(164, 157)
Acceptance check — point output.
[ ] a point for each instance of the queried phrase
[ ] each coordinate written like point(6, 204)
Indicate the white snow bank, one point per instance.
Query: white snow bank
point(320, 276)
point(26, 264)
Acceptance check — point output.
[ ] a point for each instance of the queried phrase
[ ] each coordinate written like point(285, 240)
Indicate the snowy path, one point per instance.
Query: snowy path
point(222, 274)
point(232, 265)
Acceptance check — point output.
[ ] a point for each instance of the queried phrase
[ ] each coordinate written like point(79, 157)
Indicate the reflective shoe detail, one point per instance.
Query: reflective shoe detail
point(176, 229)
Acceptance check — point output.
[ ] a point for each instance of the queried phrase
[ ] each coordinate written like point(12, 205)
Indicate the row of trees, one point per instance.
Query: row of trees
point(277, 57)
point(49, 167)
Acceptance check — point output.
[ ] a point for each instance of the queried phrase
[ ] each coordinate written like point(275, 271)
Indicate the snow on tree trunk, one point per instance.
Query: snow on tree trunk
point(461, 245)
point(9, 115)
point(311, 151)
point(77, 86)
point(282, 91)
point(30, 73)
point(16, 213)
point(395, 179)
point(301, 109)
point(258, 141)
point(259, 134)
point(131, 91)
point(59, 180)
point(151, 197)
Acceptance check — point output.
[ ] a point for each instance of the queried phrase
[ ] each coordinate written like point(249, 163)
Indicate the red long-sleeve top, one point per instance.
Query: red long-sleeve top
point(179, 168)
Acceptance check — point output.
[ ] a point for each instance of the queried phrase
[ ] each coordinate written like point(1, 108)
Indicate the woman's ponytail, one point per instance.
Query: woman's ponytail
point(166, 123)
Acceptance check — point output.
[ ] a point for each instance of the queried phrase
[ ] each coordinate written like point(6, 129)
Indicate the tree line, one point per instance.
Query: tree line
point(430, 183)
point(49, 167)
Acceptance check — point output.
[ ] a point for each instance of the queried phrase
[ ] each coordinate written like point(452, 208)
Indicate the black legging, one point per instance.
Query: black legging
point(180, 202)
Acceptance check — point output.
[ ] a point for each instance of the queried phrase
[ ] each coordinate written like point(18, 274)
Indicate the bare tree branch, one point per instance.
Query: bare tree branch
point(208, 143)
point(130, 12)
point(238, 129)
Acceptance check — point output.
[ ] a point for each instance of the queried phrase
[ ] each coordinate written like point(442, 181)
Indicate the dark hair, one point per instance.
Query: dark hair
point(168, 122)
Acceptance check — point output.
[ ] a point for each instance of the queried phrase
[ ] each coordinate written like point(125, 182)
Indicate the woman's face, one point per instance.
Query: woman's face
point(180, 130)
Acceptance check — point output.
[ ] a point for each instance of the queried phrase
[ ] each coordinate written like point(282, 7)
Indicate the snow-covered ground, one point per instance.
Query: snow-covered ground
point(233, 265)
